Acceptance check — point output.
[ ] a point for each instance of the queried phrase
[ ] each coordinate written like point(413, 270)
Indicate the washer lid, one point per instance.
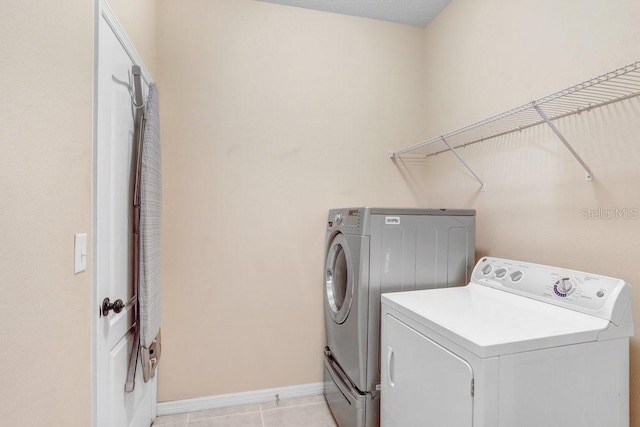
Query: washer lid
point(490, 322)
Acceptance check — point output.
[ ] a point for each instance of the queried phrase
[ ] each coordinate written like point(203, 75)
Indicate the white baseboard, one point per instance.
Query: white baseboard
point(235, 399)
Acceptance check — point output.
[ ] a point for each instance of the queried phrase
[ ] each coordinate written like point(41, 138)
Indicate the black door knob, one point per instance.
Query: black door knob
point(107, 306)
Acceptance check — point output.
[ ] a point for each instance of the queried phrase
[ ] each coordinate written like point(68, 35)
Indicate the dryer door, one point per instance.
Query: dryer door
point(338, 278)
point(422, 382)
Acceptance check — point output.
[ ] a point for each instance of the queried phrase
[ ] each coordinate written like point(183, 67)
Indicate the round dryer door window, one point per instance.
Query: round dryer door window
point(339, 279)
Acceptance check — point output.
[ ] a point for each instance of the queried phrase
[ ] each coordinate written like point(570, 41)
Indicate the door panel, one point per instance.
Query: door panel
point(339, 279)
point(113, 246)
point(423, 384)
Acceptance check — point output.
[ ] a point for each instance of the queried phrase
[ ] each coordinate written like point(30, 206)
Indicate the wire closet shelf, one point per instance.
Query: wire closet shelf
point(613, 86)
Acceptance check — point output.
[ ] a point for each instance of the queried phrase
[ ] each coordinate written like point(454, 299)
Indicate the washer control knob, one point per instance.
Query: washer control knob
point(337, 220)
point(516, 276)
point(501, 272)
point(486, 269)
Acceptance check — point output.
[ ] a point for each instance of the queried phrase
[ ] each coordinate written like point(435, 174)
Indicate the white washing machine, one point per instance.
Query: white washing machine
point(522, 345)
point(370, 251)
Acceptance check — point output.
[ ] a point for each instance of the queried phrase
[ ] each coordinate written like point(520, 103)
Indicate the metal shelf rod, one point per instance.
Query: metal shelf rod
point(482, 186)
point(565, 142)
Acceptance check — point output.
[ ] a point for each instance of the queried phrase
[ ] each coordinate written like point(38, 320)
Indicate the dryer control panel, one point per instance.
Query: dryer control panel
point(593, 294)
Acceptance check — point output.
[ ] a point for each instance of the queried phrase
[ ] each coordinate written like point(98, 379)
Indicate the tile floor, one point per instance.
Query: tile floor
point(309, 411)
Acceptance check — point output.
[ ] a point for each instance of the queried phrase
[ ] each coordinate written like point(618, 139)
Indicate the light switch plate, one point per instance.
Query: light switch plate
point(80, 253)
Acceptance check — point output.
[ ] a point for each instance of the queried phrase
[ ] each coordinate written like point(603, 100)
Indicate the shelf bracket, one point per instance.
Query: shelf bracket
point(482, 186)
point(564, 141)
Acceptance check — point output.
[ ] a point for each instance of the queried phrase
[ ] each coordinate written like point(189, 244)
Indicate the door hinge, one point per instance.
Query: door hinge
point(473, 387)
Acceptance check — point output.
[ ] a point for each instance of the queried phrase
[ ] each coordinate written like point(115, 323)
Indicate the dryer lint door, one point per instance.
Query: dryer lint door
point(339, 279)
point(422, 382)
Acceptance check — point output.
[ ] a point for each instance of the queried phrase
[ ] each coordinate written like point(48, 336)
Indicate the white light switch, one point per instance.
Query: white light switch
point(80, 253)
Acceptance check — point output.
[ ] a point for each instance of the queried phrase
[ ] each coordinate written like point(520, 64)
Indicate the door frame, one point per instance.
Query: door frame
point(102, 10)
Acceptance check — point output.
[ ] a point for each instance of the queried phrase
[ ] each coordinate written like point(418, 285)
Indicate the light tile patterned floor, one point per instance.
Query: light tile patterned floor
point(309, 411)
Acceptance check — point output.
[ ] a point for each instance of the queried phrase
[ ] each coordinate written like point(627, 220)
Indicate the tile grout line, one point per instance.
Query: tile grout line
point(261, 416)
point(293, 406)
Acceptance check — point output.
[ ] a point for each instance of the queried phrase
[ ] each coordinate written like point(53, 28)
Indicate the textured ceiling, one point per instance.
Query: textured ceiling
point(412, 12)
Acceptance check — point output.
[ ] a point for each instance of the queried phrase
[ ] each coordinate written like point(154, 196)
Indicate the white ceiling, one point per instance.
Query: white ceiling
point(412, 12)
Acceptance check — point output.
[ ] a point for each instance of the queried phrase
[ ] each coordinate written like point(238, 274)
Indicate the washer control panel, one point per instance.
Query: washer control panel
point(346, 220)
point(589, 293)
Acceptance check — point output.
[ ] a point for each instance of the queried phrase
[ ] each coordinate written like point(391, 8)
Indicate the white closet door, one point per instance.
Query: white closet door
point(114, 333)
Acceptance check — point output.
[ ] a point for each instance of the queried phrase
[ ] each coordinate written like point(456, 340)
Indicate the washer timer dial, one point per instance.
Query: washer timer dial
point(564, 286)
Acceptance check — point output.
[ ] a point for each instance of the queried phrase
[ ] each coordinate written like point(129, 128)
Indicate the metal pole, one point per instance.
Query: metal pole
point(564, 141)
point(483, 187)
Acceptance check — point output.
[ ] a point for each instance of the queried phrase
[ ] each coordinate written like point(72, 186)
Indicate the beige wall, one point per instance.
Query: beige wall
point(46, 143)
point(138, 18)
point(271, 115)
point(45, 187)
point(487, 56)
